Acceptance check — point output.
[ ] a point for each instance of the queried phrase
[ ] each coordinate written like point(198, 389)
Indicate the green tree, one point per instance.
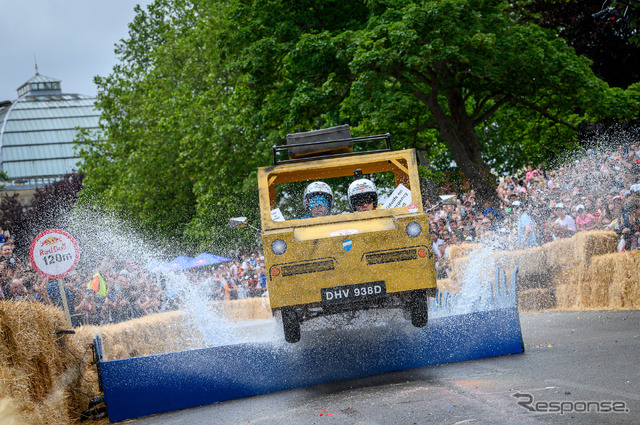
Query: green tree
point(206, 87)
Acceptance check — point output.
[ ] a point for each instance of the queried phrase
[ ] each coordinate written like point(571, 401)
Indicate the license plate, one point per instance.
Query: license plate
point(356, 292)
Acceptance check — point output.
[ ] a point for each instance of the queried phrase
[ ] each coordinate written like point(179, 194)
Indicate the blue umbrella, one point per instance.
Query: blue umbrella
point(180, 263)
point(222, 259)
point(206, 259)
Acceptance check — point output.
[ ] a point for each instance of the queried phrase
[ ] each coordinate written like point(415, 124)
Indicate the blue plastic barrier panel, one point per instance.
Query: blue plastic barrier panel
point(160, 383)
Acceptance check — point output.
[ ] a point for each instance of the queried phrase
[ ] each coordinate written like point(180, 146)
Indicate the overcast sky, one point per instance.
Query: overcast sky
point(72, 40)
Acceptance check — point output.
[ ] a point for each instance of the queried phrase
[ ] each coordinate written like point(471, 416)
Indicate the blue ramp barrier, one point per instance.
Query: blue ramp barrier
point(160, 383)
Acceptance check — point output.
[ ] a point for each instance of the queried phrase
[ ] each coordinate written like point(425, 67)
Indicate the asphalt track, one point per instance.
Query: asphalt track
point(571, 358)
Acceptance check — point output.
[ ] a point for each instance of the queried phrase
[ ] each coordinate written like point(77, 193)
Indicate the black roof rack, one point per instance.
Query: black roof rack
point(348, 141)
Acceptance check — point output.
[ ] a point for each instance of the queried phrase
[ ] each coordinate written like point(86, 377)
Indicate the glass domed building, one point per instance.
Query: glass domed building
point(37, 131)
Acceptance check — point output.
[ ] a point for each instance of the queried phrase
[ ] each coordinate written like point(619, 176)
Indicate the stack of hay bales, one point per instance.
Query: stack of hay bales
point(153, 334)
point(598, 280)
point(459, 261)
point(568, 261)
point(624, 291)
point(556, 274)
point(44, 374)
point(167, 332)
point(257, 308)
point(459, 267)
point(535, 290)
point(448, 285)
point(476, 256)
point(463, 250)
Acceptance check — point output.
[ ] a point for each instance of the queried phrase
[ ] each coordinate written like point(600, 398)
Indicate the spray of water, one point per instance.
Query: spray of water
point(476, 289)
point(105, 240)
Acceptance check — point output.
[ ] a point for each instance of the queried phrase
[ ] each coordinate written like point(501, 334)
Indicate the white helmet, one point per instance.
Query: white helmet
point(318, 189)
point(362, 189)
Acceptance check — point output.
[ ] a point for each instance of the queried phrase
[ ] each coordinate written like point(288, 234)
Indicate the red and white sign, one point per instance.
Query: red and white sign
point(54, 253)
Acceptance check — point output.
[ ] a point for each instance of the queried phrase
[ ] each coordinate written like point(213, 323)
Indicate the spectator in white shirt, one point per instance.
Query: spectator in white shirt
point(565, 225)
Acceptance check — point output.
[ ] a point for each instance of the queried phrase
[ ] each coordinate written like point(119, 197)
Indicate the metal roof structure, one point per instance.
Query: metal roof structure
point(37, 132)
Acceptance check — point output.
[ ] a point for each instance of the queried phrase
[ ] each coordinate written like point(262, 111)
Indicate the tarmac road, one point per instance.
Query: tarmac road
point(571, 358)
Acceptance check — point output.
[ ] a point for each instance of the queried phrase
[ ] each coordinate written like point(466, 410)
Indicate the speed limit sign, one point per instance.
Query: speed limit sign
point(54, 253)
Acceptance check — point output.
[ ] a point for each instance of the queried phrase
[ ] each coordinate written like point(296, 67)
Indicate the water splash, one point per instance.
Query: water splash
point(476, 290)
point(107, 240)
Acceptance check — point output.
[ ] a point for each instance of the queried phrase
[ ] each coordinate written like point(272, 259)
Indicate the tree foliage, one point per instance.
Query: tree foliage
point(205, 88)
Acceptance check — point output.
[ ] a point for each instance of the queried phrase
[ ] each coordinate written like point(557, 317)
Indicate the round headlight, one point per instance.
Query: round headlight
point(413, 229)
point(278, 247)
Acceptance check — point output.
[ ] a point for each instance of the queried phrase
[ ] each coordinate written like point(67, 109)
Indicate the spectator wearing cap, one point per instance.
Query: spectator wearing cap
point(565, 225)
point(584, 221)
point(449, 207)
point(526, 230)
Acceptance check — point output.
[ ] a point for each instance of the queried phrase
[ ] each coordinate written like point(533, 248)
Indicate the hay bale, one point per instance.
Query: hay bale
point(154, 334)
point(168, 332)
point(536, 299)
point(568, 259)
point(558, 254)
point(532, 267)
point(529, 261)
point(458, 269)
point(448, 285)
point(566, 296)
point(624, 291)
point(593, 243)
point(597, 281)
point(245, 309)
point(580, 247)
point(8, 413)
point(39, 368)
point(463, 250)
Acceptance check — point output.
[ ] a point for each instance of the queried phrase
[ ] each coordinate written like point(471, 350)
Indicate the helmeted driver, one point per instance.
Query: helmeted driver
point(318, 199)
point(363, 195)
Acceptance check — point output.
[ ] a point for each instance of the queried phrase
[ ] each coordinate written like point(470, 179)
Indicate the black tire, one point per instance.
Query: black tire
point(418, 308)
point(290, 325)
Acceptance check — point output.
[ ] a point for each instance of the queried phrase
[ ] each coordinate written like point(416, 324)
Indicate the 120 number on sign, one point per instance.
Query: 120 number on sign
point(58, 258)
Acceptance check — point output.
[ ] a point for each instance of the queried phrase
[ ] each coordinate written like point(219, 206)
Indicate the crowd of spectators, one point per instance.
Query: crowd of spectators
point(113, 291)
point(599, 191)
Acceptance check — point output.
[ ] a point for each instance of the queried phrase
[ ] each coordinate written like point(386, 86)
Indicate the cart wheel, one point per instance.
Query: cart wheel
point(290, 325)
point(418, 307)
